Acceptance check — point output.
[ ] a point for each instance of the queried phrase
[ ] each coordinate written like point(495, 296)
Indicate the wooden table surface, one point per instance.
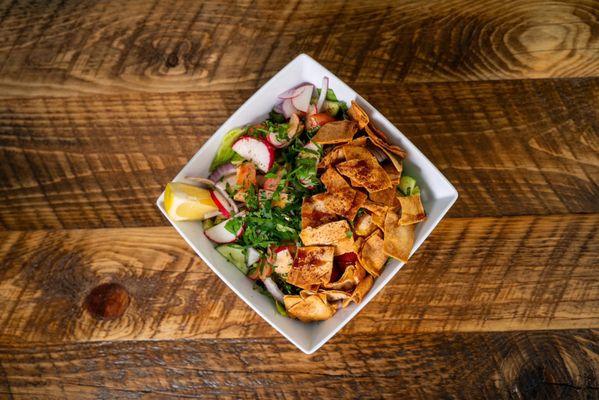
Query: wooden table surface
point(102, 103)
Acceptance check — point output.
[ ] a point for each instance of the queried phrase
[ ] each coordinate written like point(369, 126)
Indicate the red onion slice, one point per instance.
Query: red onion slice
point(323, 93)
point(288, 94)
point(273, 289)
point(278, 108)
point(288, 108)
point(223, 170)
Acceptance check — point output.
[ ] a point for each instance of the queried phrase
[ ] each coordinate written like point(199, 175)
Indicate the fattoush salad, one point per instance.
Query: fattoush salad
point(310, 203)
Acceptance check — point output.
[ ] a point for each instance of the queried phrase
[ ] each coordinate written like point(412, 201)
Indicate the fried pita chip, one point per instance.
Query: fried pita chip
point(378, 212)
point(358, 202)
point(360, 291)
point(355, 149)
point(338, 202)
point(356, 113)
point(360, 273)
point(396, 163)
point(392, 172)
point(365, 173)
point(387, 197)
point(311, 308)
point(358, 242)
point(399, 239)
point(336, 234)
point(313, 266)
point(336, 132)
point(383, 144)
point(363, 225)
point(374, 129)
point(332, 180)
point(291, 300)
point(412, 210)
point(335, 295)
point(347, 281)
point(314, 213)
point(371, 257)
point(335, 156)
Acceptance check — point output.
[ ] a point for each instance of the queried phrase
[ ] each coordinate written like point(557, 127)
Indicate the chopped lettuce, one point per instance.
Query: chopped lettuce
point(225, 153)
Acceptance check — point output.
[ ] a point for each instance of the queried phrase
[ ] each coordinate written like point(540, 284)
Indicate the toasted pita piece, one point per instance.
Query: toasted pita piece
point(333, 233)
point(347, 281)
point(336, 132)
point(387, 197)
point(314, 213)
point(332, 180)
point(358, 202)
point(392, 172)
point(358, 242)
point(313, 266)
point(399, 239)
point(396, 163)
point(356, 113)
point(291, 300)
point(335, 156)
point(412, 210)
point(374, 129)
point(360, 291)
point(356, 149)
point(378, 212)
point(335, 295)
point(360, 273)
point(371, 257)
point(383, 144)
point(365, 173)
point(363, 225)
point(311, 308)
point(338, 202)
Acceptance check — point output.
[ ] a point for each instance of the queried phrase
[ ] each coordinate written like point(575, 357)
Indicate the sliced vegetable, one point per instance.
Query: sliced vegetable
point(219, 233)
point(225, 152)
point(223, 170)
point(323, 92)
point(407, 185)
point(235, 254)
point(273, 289)
point(260, 152)
point(331, 107)
point(318, 120)
point(302, 100)
point(223, 205)
point(253, 256)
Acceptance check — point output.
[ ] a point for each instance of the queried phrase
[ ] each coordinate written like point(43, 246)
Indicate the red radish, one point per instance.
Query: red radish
point(275, 141)
point(302, 100)
point(288, 108)
point(273, 289)
point(223, 205)
point(219, 234)
point(295, 127)
point(258, 151)
point(253, 256)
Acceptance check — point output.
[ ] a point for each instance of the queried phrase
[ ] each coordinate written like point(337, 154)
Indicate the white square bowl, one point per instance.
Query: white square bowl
point(438, 195)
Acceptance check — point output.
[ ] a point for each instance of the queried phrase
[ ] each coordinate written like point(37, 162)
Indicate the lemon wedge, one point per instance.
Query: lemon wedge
point(185, 202)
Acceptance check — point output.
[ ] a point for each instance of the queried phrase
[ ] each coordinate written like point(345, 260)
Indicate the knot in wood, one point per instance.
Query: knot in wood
point(107, 301)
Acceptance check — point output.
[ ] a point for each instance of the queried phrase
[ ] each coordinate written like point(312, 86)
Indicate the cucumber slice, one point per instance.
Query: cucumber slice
point(235, 254)
point(330, 95)
point(225, 152)
point(281, 309)
point(331, 107)
point(407, 185)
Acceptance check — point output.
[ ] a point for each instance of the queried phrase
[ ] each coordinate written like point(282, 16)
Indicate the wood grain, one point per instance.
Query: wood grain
point(71, 47)
point(514, 365)
point(510, 148)
point(483, 274)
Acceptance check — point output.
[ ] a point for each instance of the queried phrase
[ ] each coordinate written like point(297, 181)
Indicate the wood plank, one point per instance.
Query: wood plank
point(483, 274)
point(515, 365)
point(70, 47)
point(510, 148)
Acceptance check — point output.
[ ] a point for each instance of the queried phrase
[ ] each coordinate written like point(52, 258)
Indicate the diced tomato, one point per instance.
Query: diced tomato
point(246, 175)
point(272, 183)
point(319, 119)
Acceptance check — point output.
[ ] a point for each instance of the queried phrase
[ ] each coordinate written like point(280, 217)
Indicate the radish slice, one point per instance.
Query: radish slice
point(219, 234)
point(260, 152)
point(223, 170)
point(323, 93)
point(273, 289)
point(288, 108)
point(223, 205)
point(253, 256)
point(302, 100)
